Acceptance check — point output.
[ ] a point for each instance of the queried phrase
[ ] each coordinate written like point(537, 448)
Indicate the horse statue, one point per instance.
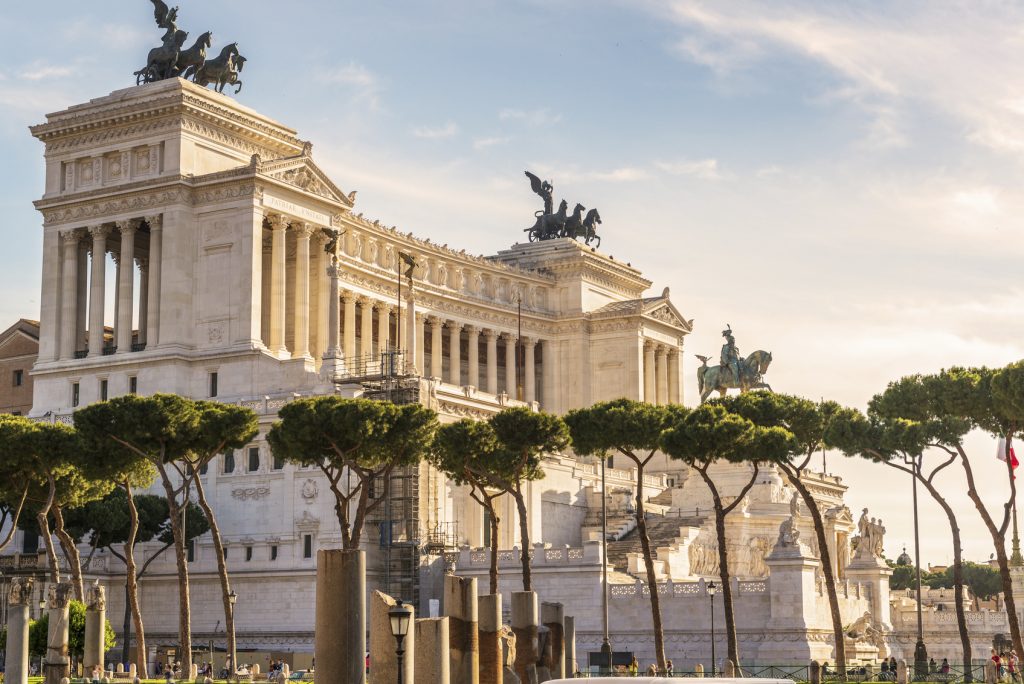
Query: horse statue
point(222, 70)
point(574, 224)
point(719, 379)
point(589, 230)
point(190, 60)
point(160, 63)
point(549, 225)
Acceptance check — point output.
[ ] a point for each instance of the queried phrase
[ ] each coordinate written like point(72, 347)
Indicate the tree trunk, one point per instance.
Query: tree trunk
point(732, 640)
point(652, 582)
point(15, 517)
point(70, 549)
point(51, 552)
point(132, 589)
point(524, 534)
point(827, 568)
point(184, 601)
point(958, 575)
point(222, 571)
point(493, 572)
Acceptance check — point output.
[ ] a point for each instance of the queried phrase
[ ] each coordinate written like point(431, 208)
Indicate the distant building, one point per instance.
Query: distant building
point(19, 347)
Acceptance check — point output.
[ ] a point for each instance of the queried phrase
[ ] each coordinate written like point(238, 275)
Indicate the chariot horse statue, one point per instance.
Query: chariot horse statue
point(735, 372)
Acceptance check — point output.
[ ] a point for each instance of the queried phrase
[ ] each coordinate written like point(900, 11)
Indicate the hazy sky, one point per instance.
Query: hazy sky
point(840, 182)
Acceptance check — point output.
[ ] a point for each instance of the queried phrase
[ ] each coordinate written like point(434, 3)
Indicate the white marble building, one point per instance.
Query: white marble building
point(209, 222)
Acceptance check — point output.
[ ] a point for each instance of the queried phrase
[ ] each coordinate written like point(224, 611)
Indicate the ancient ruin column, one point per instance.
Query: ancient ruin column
point(569, 639)
point(661, 366)
point(18, 600)
point(650, 393)
point(552, 615)
point(436, 357)
point(510, 365)
point(383, 326)
point(492, 360)
point(143, 265)
point(454, 353)
point(97, 291)
point(673, 376)
point(529, 370)
point(278, 267)
point(473, 341)
point(349, 330)
point(303, 231)
point(156, 239)
point(431, 654)
point(464, 647)
point(340, 616)
point(365, 329)
point(383, 660)
point(491, 666)
point(125, 286)
point(524, 626)
point(70, 295)
point(95, 623)
point(57, 665)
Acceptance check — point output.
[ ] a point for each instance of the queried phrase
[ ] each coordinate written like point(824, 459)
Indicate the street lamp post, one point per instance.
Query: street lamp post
point(920, 651)
point(400, 617)
point(711, 595)
point(233, 670)
point(606, 644)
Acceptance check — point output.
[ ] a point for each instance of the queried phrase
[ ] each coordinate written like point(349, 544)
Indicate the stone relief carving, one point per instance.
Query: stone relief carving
point(310, 490)
point(250, 493)
point(59, 595)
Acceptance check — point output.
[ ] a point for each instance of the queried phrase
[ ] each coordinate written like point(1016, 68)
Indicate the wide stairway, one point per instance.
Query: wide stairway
point(663, 531)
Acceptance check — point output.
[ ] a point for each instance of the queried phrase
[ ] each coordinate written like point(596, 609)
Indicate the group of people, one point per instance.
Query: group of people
point(1007, 666)
point(652, 670)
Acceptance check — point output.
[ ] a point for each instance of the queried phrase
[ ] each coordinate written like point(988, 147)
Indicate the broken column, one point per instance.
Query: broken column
point(524, 626)
point(489, 632)
point(56, 664)
point(552, 615)
point(431, 654)
point(18, 601)
point(383, 659)
point(340, 650)
point(464, 647)
point(569, 639)
point(95, 626)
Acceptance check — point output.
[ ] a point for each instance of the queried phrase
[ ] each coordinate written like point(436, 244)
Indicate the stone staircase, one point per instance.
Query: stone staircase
point(663, 532)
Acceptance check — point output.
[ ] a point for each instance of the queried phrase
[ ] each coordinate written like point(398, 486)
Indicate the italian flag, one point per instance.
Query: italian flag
point(1001, 453)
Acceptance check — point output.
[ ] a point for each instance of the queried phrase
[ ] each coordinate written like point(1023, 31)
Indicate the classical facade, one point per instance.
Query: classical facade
point(19, 346)
point(241, 272)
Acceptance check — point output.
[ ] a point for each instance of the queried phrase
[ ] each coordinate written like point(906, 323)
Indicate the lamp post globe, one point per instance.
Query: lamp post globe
point(401, 617)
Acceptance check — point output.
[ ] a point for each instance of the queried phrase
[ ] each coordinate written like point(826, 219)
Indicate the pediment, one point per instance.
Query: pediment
point(665, 312)
point(302, 173)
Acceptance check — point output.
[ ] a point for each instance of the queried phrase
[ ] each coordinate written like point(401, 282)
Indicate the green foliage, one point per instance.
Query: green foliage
point(523, 437)
point(464, 451)
point(107, 521)
point(621, 425)
point(37, 632)
point(221, 427)
point(711, 432)
point(161, 428)
point(983, 580)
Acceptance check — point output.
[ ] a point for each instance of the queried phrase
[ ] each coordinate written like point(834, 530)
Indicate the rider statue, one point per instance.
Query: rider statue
point(730, 353)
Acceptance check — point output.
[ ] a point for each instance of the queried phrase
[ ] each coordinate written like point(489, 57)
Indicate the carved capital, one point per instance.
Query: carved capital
point(277, 222)
point(491, 334)
point(21, 591)
point(454, 326)
point(348, 296)
point(660, 350)
point(528, 341)
point(650, 345)
point(96, 597)
point(364, 301)
point(99, 232)
point(129, 226)
point(155, 222)
point(303, 230)
point(59, 595)
point(509, 338)
point(471, 329)
point(435, 322)
point(143, 263)
point(383, 307)
point(70, 237)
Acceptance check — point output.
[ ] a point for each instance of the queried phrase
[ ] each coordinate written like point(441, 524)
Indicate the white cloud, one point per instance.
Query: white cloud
point(706, 169)
point(977, 200)
point(484, 143)
point(534, 117)
point(449, 130)
point(38, 72)
point(365, 83)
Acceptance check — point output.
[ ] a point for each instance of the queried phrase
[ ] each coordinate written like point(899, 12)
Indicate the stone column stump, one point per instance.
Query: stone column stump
point(569, 639)
point(340, 635)
point(491, 664)
point(383, 659)
point(18, 601)
point(464, 647)
point(95, 625)
point(431, 655)
point(525, 619)
point(552, 615)
point(57, 665)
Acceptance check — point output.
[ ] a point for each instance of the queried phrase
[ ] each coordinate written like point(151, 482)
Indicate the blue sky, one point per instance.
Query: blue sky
point(840, 182)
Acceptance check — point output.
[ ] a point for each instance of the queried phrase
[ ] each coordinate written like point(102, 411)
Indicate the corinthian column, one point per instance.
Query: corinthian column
point(333, 314)
point(278, 226)
point(661, 364)
point(492, 360)
point(156, 238)
point(529, 370)
point(350, 328)
point(301, 305)
point(510, 365)
point(70, 295)
point(436, 357)
point(383, 326)
point(98, 285)
point(366, 335)
point(143, 264)
point(125, 285)
point(650, 393)
point(673, 376)
point(454, 353)
point(321, 291)
point(473, 340)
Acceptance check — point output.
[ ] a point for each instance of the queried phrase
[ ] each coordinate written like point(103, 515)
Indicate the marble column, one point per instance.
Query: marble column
point(18, 600)
point(97, 292)
point(383, 326)
point(333, 313)
point(492, 360)
point(460, 604)
point(349, 331)
point(143, 265)
point(473, 340)
point(673, 376)
point(278, 266)
point(510, 365)
point(650, 393)
point(529, 370)
point(69, 295)
point(82, 293)
point(421, 331)
point(126, 286)
point(661, 366)
point(322, 292)
point(436, 346)
point(115, 258)
point(454, 353)
point(549, 375)
point(57, 665)
point(340, 620)
point(95, 622)
point(303, 231)
point(365, 329)
point(156, 239)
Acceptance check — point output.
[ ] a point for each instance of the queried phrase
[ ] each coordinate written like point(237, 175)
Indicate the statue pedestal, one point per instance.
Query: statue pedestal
point(794, 607)
point(875, 573)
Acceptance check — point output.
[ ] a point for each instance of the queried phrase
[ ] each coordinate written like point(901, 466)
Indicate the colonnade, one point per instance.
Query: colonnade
point(661, 373)
point(84, 282)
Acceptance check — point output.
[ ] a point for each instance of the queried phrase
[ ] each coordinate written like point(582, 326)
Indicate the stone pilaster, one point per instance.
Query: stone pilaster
point(349, 330)
point(510, 365)
point(143, 265)
point(365, 329)
point(383, 326)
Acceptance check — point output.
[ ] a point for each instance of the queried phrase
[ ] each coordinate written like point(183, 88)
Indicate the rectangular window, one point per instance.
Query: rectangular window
point(213, 384)
point(103, 390)
point(278, 462)
point(307, 546)
point(254, 459)
point(229, 461)
point(205, 468)
point(29, 542)
point(74, 394)
point(191, 550)
point(133, 385)
point(19, 378)
point(248, 554)
point(226, 549)
point(273, 553)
